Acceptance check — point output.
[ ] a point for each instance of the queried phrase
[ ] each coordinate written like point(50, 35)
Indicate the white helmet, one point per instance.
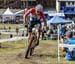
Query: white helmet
point(39, 7)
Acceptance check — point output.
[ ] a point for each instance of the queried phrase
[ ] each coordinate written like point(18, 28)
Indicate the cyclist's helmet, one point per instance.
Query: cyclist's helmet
point(39, 7)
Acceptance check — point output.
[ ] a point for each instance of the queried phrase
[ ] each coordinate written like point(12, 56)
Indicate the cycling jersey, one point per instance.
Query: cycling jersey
point(34, 16)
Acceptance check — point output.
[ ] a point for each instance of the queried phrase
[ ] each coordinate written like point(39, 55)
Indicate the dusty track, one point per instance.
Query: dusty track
point(42, 55)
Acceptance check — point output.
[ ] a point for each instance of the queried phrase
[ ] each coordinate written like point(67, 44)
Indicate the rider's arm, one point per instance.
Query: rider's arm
point(44, 18)
point(26, 15)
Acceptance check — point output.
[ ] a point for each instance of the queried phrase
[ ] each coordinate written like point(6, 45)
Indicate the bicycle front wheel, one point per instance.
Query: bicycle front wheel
point(30, 48)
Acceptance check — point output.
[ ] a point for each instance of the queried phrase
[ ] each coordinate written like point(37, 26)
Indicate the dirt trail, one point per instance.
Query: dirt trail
point(42, 55)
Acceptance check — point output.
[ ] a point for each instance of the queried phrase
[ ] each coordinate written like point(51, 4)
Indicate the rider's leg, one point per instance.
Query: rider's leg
point(29, 35)
point(30, 26)
point(38, 36)
point(31, 41)
point(39, 32)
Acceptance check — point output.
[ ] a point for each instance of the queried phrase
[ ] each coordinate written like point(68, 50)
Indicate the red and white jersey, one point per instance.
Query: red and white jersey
point(34, 15)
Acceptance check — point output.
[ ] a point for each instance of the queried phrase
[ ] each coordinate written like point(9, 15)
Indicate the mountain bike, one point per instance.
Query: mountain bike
point(32, 42)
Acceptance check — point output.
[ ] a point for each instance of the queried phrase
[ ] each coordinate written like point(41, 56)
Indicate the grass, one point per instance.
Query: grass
point(19, 46)
point(45, 53)
point(11, 25)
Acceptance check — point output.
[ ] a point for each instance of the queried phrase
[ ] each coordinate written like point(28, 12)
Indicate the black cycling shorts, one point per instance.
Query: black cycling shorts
point(32, 24)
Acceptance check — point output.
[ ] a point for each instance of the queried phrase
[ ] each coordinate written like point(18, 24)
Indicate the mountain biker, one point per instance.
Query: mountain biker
point(36, 14)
